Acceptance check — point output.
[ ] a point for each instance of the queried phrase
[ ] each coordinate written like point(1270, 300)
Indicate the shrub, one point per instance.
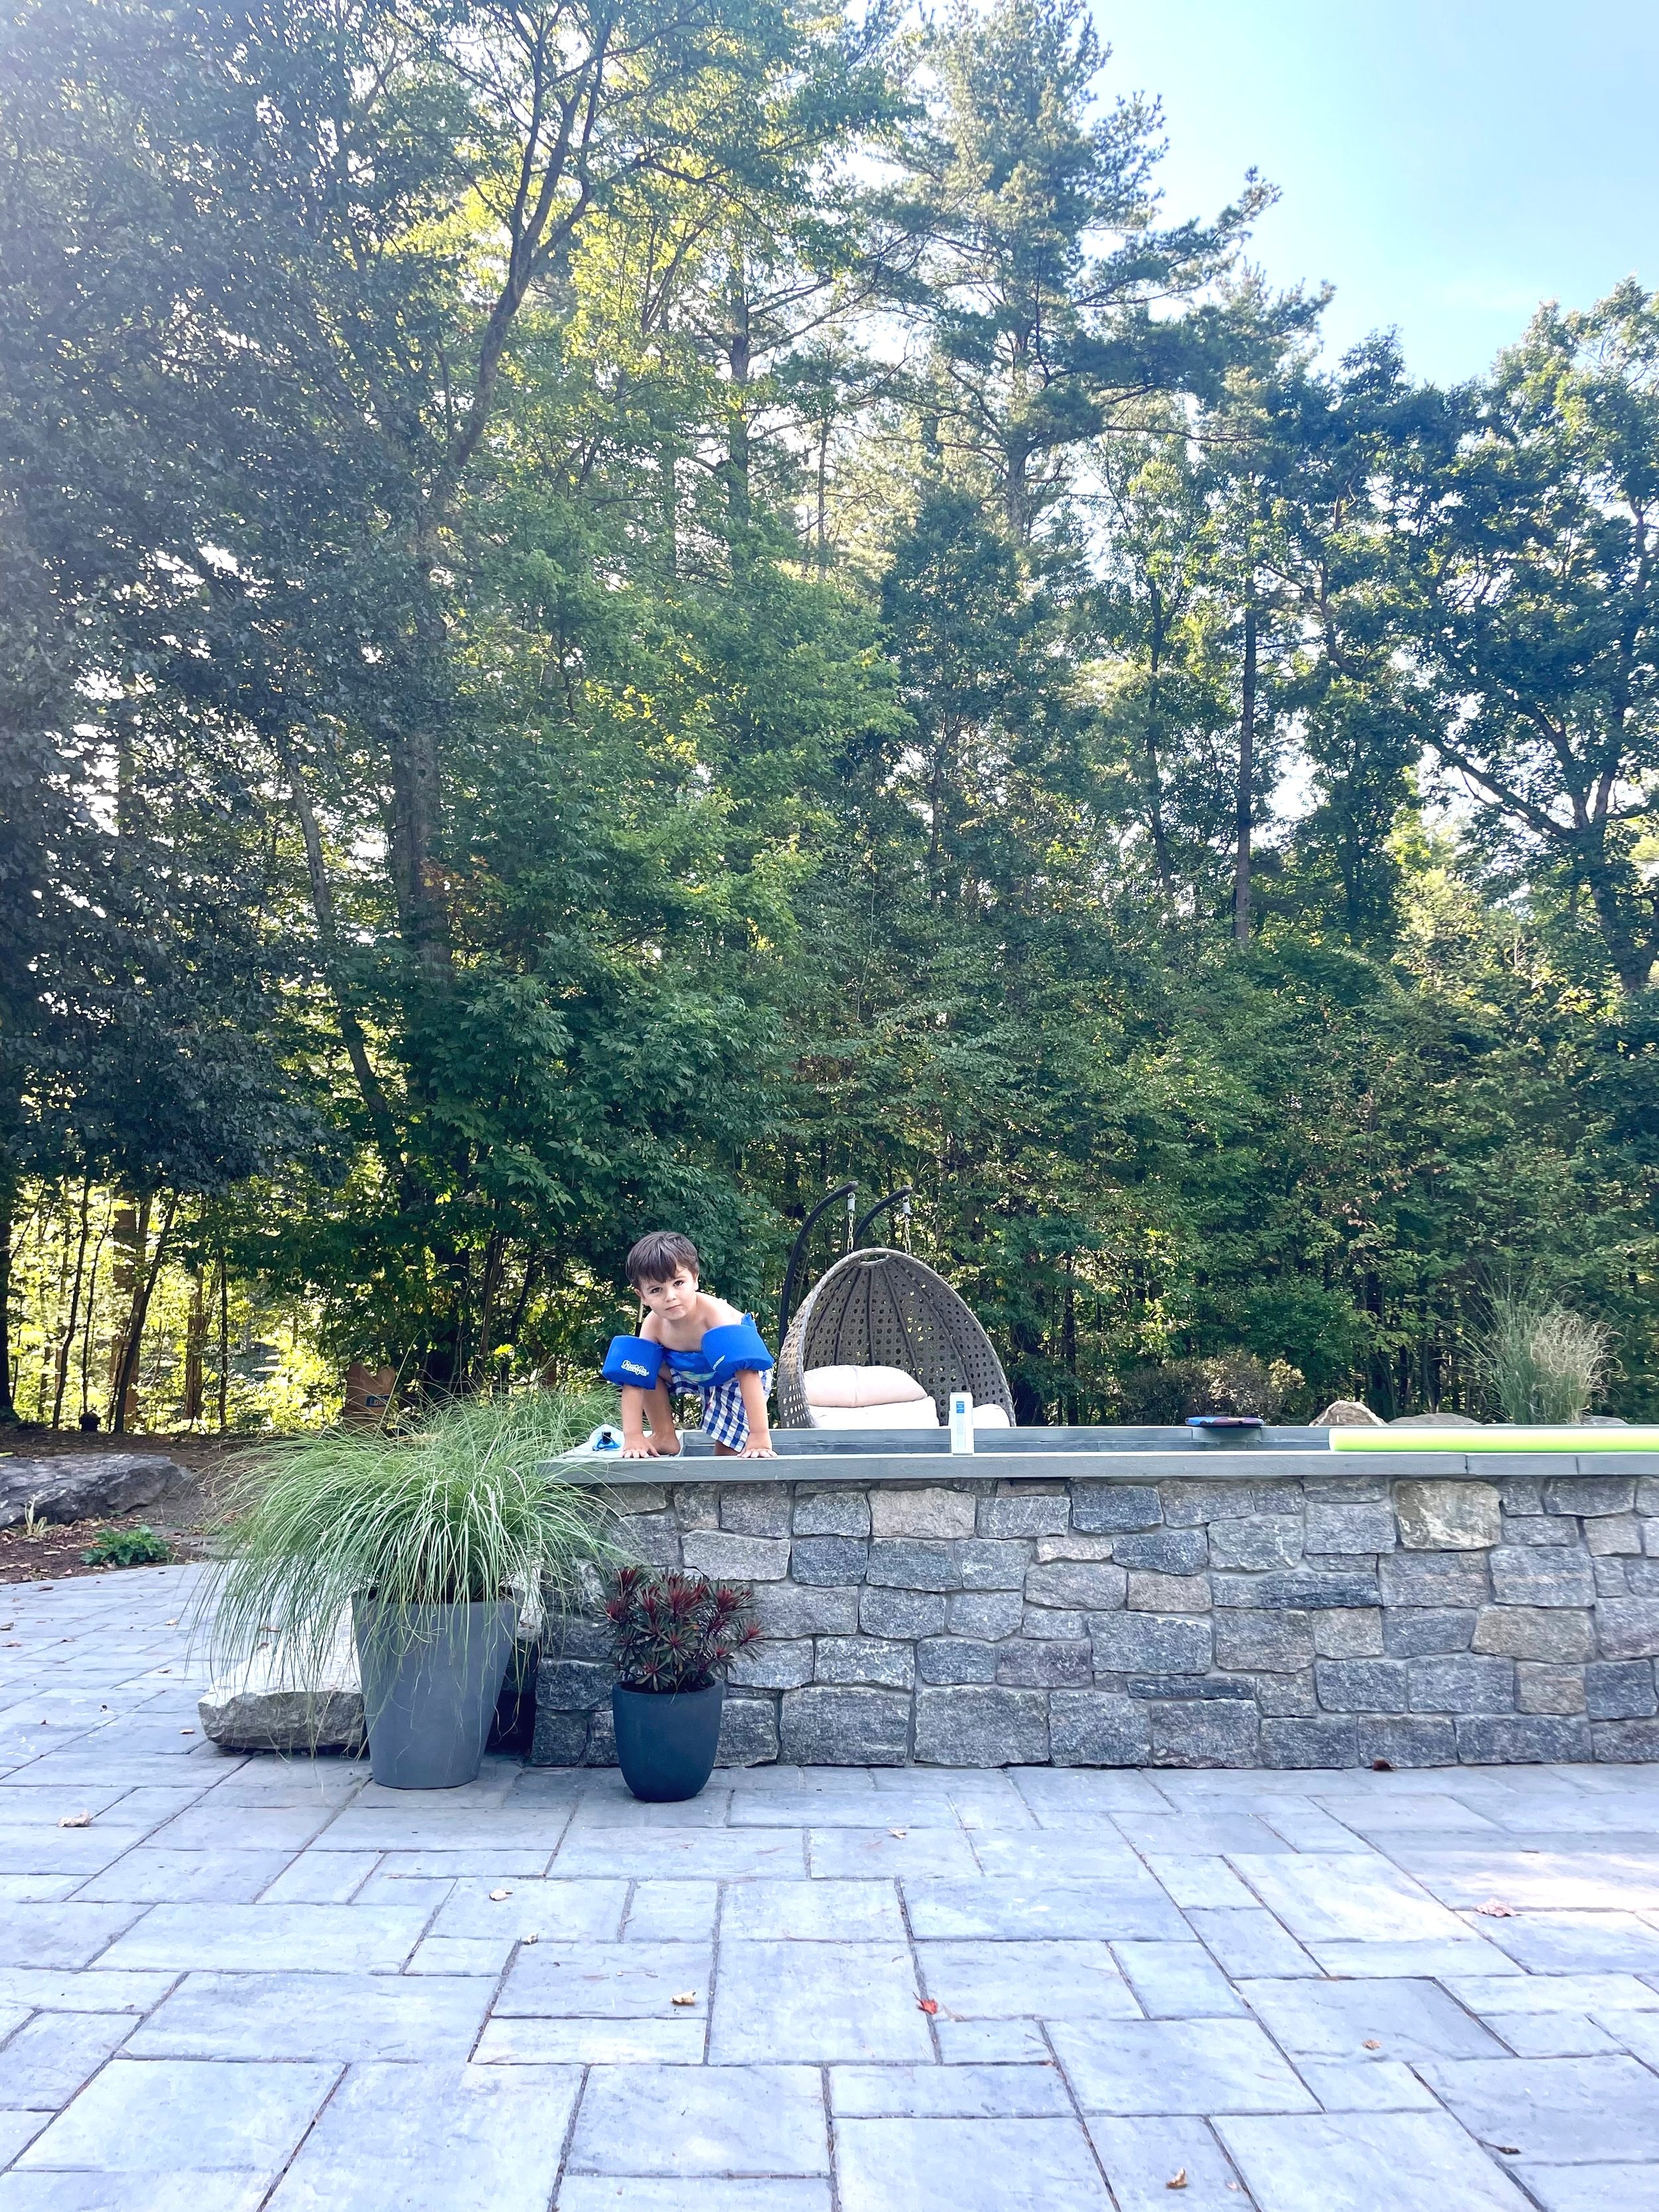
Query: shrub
point(675, 1631)
point(1224, 1382)
point(1540, 1361)
point(128, 1547)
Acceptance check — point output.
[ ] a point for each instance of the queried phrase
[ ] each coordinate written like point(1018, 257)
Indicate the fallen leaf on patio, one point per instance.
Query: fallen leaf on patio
point(685, 1997)
point(929, 2005)
point(187, 1731)
point(1510, 2150)
point(530, 1939)
point(1371, 2044)
point(75, 1820)
point(170, 1624)
point(1495, 1909)
point(1178, 2179)
point(496, 1895)
point(1382, 1766)
point(900, 1833)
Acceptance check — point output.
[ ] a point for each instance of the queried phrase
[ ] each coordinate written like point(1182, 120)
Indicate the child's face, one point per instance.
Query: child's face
point(672, 1299)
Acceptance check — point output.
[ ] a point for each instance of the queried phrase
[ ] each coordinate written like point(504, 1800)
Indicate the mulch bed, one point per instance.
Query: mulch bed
point(55, 1551)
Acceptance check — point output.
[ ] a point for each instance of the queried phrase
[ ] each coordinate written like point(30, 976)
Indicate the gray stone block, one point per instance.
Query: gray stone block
point(1543, 1689)
point(735, 1559)
point(1052, 1624)
point(1355, 1635)
point(985, 1612)
point(637, 1497)
point(1320, 1742)
point(936, 1513)
point(1434, 1578)
point(1349, 1528)
point(760, 1509)
point(912, 1562)
point(900, 1613)
point(829, 1559)
point(941, 1660)
point(1462, 1683)
point(1620, 1689)
point(1647, 1493)
point(560, 1740)
point(981, 1728)
point(1027, 1665)
point(772, 1664)
point(1150, 1593)
point(1081, 1584)
point(1303, 1590)
point(832, 1513)
point(1625, 1739)
point(1095, 1728)
point(696, 1505)
point(872, 1659)
point(1603, 1493)
point(1073, 1545)
point(1613, 1535)
point(1025, 1514)
point(1286, 1696)
point(824, 1726)
point(1533, 1529)
point(1164, 1550)
point(601, 1747)
point(1419, 1630)
point(1515, 1739)
point(1560, 1637)
point(1627, 1627)
point(572, 1685)
point(1160, 1688)
point(1521, 1575)
point(1261, 1541)
point(1419, 1740)
point(1521, 1493)
point(1100, 1506)
point(1361, 1685)
point(993, 1563)
point(1447, 1517)
point(792, 1609)
point(1612, 1578)
point(1192, 1505)
point(749, 1732)
point(1149, 1644)
point(653, 1539)
point(1210, 1734)
point(1271, 1642)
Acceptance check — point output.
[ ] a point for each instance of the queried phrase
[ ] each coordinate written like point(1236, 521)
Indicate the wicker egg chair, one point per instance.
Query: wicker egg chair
point(882, 1309)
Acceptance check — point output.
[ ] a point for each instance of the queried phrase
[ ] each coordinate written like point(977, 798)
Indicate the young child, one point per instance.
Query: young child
point(691, 1341)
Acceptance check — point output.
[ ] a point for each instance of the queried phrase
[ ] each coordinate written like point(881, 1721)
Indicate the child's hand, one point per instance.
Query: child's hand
point(758, 1448)
point(638, 1447)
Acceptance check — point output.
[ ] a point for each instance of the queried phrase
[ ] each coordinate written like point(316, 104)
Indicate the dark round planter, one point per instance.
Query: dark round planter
point(431, 1676)
point(665, 1744)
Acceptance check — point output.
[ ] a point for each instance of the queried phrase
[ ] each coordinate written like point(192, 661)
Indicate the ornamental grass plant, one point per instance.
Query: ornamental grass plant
point(456, 1509)
point(1542, 1362)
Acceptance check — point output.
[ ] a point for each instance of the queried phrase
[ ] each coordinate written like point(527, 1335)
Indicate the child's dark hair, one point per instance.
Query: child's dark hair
point(658, 1254)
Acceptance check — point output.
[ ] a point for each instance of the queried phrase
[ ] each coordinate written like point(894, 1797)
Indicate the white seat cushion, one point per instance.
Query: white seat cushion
point(862, 1386)
point(912, 1414)
point(989, 1417)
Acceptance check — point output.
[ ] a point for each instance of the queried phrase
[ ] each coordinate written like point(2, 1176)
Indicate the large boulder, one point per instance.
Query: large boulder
point(87, 1485)
point(274, 1705)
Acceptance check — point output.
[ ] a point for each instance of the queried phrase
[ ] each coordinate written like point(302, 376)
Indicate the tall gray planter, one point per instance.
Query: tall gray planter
point(431, 1676)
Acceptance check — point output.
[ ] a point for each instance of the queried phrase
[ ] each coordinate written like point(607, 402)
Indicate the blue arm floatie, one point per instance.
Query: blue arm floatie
point(735, 1347)
point(633, 1360)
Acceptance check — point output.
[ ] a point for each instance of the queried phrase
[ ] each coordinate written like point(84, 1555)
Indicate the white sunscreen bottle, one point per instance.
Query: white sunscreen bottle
point(961, 1420)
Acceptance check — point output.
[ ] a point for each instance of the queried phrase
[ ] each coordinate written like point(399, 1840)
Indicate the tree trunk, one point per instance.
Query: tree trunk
point(126, 1381)
point(9, 1183)
point(1632, 958)
point(195, 1343)
point(1244, 808)
point(70, 1326)
point(130, 1233)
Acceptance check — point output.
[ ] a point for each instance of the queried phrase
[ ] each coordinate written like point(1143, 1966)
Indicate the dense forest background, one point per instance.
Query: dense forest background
point(615, 610)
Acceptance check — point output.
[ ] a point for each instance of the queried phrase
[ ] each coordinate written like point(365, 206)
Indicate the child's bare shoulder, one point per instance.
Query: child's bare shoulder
point(717, 1314)
point(651, 1330)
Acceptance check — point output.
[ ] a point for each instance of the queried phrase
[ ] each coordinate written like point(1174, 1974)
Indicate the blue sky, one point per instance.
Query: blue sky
point(1445, 166)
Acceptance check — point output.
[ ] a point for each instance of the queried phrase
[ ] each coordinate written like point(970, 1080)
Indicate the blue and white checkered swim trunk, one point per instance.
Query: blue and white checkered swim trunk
point(723, 1416)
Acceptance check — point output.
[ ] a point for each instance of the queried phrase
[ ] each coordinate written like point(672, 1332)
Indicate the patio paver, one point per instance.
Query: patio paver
point(250, 1985)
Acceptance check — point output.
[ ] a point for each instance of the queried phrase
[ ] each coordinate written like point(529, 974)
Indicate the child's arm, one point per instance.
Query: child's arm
point(664, 1442)
point(753, 1388)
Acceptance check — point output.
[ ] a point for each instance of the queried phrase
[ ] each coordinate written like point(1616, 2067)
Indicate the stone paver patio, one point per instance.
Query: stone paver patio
point(249, 1983)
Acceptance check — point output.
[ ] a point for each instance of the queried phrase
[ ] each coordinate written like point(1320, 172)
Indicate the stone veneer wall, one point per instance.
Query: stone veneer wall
point(1313, 1621)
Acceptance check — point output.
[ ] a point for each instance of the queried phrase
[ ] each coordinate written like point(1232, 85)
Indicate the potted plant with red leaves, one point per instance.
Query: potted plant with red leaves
point(673, 1636)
